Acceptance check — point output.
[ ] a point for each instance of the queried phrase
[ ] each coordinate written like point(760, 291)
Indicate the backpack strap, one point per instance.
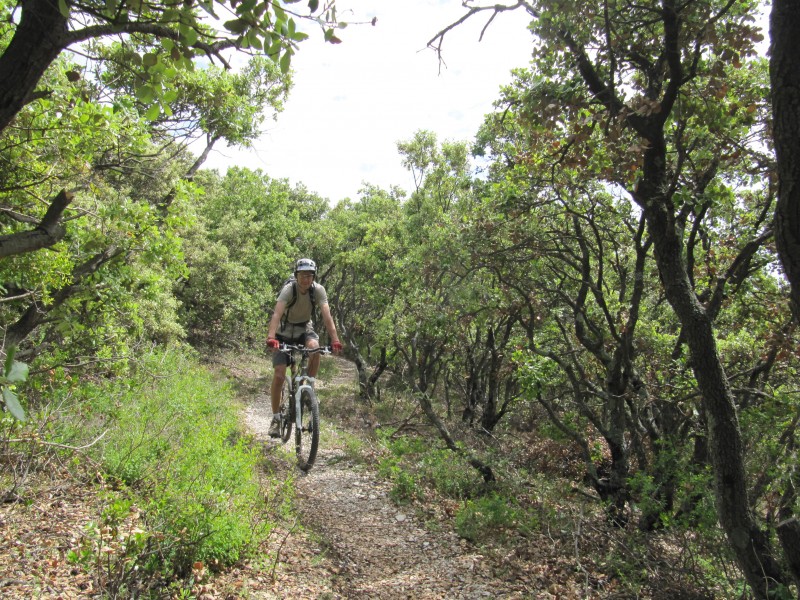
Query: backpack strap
point(289, 304)
point(312, 290)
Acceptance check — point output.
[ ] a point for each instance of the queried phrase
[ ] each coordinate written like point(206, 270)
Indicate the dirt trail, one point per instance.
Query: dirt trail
point(367, 546)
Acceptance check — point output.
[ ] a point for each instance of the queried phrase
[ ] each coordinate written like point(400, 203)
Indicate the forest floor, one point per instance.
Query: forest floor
point(344, 539)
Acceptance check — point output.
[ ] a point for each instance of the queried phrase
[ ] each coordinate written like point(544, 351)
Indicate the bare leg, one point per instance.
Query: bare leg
point(278, 377)
point(313, 360)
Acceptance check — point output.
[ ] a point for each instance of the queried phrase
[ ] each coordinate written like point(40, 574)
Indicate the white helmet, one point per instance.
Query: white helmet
point(305, 264)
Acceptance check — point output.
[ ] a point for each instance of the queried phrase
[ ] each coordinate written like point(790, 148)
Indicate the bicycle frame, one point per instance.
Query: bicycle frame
point(305, 407)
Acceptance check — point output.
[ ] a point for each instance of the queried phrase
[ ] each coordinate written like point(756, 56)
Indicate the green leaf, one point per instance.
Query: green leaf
point(10, 359)
point(208, 6)
point(13, 405)
point(275, 50)
point(150, 59)
point(188, 34)
point(331, 37)
point(145, 94)
point(286, 61)
point(254, 39)
point(63, 8)
point(246, 7)
point(170, 15)
point(313, 5)
point(111, 8)
point(238, 26)
point(153, 112)
point(17, 373)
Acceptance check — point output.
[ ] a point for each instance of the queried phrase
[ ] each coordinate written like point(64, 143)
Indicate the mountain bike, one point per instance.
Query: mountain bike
point(299, 405)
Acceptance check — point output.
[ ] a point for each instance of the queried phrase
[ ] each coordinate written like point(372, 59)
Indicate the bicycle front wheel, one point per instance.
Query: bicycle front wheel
point(306, 437)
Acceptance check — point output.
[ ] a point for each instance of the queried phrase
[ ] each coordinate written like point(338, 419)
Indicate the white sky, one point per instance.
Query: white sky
point(352, 102)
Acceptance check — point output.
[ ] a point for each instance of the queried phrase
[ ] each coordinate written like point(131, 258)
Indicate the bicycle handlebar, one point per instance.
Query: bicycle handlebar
point(304, 350)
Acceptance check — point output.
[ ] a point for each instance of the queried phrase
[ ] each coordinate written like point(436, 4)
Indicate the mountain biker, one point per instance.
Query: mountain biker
point(291, 324)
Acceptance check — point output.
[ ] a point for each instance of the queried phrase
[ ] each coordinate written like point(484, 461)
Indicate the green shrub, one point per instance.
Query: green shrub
point(491, 516)
point(406, 487)
point(450, 475)
point(404, 445)
point(172, 447)
point(414, 464)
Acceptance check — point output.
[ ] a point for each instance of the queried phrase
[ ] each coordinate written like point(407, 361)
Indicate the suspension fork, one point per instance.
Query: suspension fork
point(302, 382)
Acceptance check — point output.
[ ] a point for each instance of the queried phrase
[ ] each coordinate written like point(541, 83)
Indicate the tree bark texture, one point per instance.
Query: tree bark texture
point(784, 69)
point(49, 231)
point(39, 38)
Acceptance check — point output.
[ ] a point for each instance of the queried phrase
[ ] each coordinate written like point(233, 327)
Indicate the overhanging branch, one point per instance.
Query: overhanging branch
point(49, 231)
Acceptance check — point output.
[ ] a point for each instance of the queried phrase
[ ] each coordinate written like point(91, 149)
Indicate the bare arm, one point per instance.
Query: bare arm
point(280, 307)
point(330, 326)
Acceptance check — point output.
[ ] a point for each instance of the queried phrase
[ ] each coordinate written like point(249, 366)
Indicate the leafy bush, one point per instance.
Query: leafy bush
point(490, 516)
point(14, 372)
point(440, 468)
point(450, 475)
point(402, 445)
point(405, 487)
point(173, 450)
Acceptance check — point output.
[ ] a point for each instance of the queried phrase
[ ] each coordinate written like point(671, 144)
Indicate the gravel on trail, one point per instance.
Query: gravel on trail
point(366, 546)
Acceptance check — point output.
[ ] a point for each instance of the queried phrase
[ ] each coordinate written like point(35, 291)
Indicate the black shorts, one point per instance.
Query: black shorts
point(281, 358)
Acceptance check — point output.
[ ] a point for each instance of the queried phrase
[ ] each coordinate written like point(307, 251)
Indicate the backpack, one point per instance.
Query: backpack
point(312, 290)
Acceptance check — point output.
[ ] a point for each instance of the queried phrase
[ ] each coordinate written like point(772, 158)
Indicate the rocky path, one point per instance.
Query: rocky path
point(365, 546)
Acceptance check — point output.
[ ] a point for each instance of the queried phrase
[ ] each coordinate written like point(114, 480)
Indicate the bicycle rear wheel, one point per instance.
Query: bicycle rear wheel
point(287, 410)
point(306, 437)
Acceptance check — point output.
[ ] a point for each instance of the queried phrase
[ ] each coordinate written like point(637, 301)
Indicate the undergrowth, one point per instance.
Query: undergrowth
point(179, 481)
point(534, 508)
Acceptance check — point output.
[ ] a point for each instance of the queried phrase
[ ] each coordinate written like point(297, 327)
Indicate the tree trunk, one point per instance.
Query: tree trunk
point(789, 534)
point(726, 450)
point(489, 416)
point(37, 41)
point(427, 407)
point(372, 389)
point(784, 70)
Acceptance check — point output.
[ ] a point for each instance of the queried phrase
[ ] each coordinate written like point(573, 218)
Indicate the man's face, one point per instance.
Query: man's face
point(304, 280)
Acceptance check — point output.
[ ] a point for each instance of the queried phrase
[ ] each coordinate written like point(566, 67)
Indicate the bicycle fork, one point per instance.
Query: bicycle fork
point(304, 383)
